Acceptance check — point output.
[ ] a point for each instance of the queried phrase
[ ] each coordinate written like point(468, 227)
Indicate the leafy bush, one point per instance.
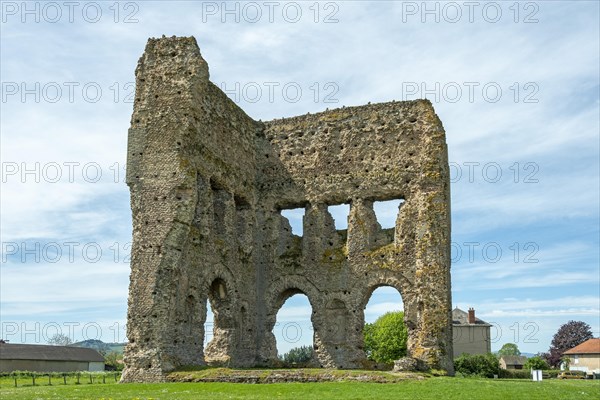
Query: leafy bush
point(385, 339)
point(514, 374)
point(526, 374)
point(536, 362)
point(114, 360)
point(484, 365)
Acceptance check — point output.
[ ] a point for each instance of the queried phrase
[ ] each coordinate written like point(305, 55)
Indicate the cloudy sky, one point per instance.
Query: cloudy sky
point(516, 85)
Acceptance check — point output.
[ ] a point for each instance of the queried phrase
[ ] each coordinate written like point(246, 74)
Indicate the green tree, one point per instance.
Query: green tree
point(484, 365)
point(298, 355)
point(385, 339)
point(536, 362)
point(114, 359)
point(509, 349)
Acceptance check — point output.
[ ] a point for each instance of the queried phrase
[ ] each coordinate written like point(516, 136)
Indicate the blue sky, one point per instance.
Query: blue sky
point(516, 86)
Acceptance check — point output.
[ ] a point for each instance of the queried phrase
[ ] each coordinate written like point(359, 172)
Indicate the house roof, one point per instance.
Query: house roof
point(460, 317)
point(591, 346)
point(10, 351)
point(514, 360)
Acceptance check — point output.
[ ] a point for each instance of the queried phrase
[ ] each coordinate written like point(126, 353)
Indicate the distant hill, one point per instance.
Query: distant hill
point(100, 346)
point(529, 355)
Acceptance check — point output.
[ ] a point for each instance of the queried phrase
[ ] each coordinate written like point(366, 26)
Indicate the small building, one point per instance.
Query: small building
point(43, 358)
point(512, 362)
point(470, 335)
point(585, 357)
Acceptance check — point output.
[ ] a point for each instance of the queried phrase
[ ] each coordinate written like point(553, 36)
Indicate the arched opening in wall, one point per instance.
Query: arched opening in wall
point(340, 213)
point(385, 334)
point(209, 325)
point(295, 217)
point(220, 340)
point(293, 329)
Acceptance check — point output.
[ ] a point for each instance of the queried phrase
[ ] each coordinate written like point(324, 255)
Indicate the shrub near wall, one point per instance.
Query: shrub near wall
point(483, 365)
point(514, 374)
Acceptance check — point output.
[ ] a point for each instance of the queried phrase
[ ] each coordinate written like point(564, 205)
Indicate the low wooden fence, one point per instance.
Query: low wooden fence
point(29, 378)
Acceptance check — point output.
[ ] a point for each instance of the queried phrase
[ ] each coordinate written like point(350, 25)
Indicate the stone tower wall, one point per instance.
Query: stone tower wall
point(207, 188)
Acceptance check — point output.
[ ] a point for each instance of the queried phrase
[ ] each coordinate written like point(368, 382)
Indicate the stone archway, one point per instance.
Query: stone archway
point(207, 185)
point(280, 291)
point(410, 304)
point(294, 324)
point(222, 348)
point(374, 309)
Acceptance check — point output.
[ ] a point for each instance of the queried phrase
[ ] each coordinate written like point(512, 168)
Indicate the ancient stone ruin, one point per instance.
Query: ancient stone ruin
point(208, 185)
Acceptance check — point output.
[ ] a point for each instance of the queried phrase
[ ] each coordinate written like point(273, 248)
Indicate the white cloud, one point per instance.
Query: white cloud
point(370, 54)
point(64, 282)
point(377, 310)
point(294, 313)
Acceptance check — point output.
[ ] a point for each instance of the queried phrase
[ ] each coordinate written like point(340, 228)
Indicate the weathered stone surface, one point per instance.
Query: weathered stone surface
point(409, 364)
point(290, 375)
point(208, 184)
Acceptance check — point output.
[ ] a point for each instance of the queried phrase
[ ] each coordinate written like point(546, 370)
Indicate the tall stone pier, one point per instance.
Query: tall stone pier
point(208, 185)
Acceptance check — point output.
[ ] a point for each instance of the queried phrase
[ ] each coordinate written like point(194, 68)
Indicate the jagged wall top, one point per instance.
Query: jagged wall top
point(181, 51)
point(207, 187)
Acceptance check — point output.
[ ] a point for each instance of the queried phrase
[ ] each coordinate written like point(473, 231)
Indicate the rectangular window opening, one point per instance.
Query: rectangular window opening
point(295, 217)
point(387, 211)
point(340, 213)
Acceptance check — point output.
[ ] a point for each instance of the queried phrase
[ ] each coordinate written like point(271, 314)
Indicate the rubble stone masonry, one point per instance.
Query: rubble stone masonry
point(208, 184)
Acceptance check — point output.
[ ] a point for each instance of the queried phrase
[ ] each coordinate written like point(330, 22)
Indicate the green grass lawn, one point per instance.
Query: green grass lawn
point(432, 388)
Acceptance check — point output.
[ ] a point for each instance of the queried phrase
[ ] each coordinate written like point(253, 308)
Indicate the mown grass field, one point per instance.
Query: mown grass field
point(437, 388)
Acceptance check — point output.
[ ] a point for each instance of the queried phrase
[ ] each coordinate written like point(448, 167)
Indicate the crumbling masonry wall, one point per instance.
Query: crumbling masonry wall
point(208, 184)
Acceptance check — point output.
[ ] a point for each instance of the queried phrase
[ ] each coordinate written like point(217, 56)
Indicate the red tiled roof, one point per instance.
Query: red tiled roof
point(591, 346)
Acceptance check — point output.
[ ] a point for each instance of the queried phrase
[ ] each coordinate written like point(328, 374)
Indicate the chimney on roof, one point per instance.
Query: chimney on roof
point(471, 317)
